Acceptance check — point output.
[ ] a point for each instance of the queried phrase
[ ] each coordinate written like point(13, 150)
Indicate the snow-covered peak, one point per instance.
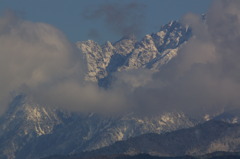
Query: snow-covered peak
point(108, 44)
point(152, 51)
point(171, 36)
point(142, 54)
point(125, 45)
point(95, 59)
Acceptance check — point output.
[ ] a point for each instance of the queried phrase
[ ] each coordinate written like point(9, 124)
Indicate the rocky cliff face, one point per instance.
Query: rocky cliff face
point(151, 52)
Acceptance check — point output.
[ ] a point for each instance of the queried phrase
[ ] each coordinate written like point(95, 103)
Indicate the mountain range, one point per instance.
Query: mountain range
point(207, 138)
point(32, 131)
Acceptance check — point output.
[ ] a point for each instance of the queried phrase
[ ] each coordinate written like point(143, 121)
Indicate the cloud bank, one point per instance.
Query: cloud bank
point(33, 54)
point(205, 76)
point(37, 60)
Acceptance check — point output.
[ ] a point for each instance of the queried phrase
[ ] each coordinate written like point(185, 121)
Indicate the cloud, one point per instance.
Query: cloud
point(34, 54)
point(204, 77)
point(73, 95)
point(37, 60)
point(123, 19)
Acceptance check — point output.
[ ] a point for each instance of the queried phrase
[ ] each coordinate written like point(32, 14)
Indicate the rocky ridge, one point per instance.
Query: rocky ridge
point(153, 51)
point(211, 136)
point(32, 131)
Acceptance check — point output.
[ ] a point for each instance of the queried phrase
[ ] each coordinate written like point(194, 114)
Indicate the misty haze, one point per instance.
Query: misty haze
point(120, 79)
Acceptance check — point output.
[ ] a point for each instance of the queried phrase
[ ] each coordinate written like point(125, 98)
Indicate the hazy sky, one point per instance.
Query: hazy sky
point(67, 15)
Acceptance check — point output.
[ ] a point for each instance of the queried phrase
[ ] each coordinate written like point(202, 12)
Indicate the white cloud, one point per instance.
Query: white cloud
point(34, 54)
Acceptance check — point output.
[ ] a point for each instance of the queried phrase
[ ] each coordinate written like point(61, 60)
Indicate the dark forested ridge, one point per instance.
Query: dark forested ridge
point(207, 138)
point(215, 155)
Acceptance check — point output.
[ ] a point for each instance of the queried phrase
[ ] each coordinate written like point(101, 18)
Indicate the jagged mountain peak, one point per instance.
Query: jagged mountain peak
point(171, 36)
point(108, 44)
point(152, 51)
point(125, 45)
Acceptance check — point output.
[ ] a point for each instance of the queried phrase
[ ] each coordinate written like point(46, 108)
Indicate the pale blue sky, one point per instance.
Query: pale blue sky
point(66, 15)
